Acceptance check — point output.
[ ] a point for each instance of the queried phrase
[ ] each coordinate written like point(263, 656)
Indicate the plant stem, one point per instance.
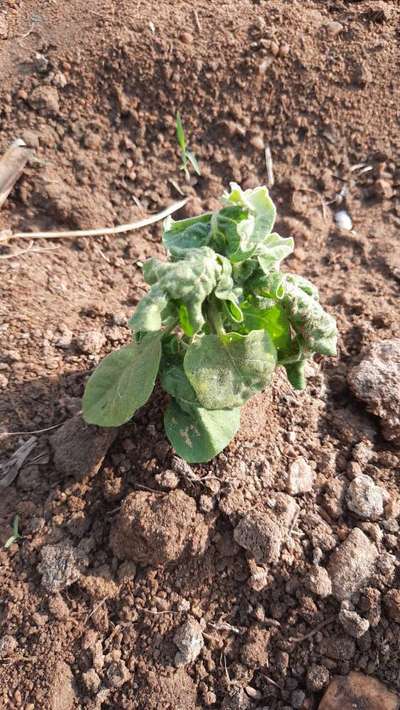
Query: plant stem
point(214, 316)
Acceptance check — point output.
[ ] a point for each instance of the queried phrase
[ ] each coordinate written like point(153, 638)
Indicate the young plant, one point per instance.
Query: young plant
point(15, 533)
point(218, 319)
point(187, 157)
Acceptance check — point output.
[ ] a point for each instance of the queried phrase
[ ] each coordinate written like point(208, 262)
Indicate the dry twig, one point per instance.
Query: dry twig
point(269, 166)
point(11, 167)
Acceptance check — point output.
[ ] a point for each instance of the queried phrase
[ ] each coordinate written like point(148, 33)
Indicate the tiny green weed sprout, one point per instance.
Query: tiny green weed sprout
point(219, 317)
point(15, 533)
point(187, 157)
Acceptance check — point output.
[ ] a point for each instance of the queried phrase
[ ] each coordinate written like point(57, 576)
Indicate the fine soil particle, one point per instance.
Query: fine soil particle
point(275, 566)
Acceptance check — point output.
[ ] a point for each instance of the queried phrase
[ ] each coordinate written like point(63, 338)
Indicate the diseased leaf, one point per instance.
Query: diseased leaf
point(200, 435)
point(225, 371)
point(260, 219)
point(225, 289)
point(272, 251)
point(272, 319)
point(188, 281)
point(187, 234)
point(174, 381)
point(122, 383)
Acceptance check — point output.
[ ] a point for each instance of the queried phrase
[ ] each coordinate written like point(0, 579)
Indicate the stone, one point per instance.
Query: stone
point(3, 27)
point(300, 477)
point(318, 582)
point(236, 699)
point(317, 678)
point(339, 647)
point(8, 644)
point(262, 532)
point(62, 692)
point(354, 624)
point(391, 601)
point(189, 640)
point(352, 564)
point(333, 497)
point(333, 28)
point(154, 529)
point(376, 381)
point(91, 680)
point(365, 498)
point(357, 691)
point(91, 342)
point(117, 674)
point(61, 566)
point(45, 98)
point(79, 448)
point(167, 479)
point(126, 571)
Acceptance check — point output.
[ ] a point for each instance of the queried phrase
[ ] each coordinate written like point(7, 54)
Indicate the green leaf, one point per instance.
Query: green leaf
point(180, 133)
point(199, 435)
point(184, 321)
point(260, 211)
point(122, 383)
point(296, 375)
point(272, 319)
point(188, 281)
point(226, 291)
point(174, 381)
point(187, 233)
point(272, 251)
point(225, 371)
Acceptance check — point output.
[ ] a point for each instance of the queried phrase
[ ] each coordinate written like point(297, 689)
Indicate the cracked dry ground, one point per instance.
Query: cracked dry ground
point(274, 581)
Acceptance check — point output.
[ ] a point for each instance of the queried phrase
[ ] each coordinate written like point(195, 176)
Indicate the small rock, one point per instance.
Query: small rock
point(339, 647)
point(189, 639)
point(358, 691)
point(79, 448)
point(45, 98)
point(117, 674)
point(262, 532)
point(333, 28)
point(254, 651)
point(62, 693)
point(90, 343)
point(353, 623)
point(383, 189)
point(370, 604)
point(186, 38)
point(65, 340)
point(157, 529)
point(365, 498)
point(126, 571)
point(58, 607)
point(301, 477)
point(317, 678)
point(351, 565)
point(376, 381)
point(206, 504)
point(91, 681)
point(167, 479)
point(8, 644)
point(333, 497)
point(61, 566)
point(391, 602)
point(237, 699)
point(343, 220)
point(319, 583)
point(297, 699)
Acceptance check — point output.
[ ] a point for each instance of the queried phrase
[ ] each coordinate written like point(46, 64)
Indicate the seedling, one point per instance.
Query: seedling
point(15, 534)
point(219, 317)
point(187, 157)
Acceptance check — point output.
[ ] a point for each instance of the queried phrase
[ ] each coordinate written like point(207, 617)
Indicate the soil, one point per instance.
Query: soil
point(93, 88)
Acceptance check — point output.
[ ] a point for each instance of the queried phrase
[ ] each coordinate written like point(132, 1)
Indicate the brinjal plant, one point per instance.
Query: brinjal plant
point(219, 317)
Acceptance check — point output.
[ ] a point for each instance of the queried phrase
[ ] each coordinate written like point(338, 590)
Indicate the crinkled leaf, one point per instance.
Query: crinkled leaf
point(199, 435)
point(260, 218)
point(187, 234)
point(315, 327)
point(226, 290)
point(188, 281)
point(225, 371)
point(273, 250)
point(122, 383)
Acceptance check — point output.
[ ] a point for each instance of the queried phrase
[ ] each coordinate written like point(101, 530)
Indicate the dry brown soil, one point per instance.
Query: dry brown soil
point(94, 87)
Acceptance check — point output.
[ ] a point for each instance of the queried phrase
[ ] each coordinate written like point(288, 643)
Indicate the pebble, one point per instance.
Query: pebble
point(354, 624)
point(3, 27)
point(391, 602)
point(376, 381)
point(300, 477)
point(351, 565)
point(317, 678)
point(117, 674)
point(365, 498)
point(45, 98)
point(91, 342)
point(8, 644)
point(358, 690)
point(186, 38)
point(343, 220)
point(91, 680)
point(333, 28)
point(262, 532)
point(189, 640)
point(167, 479)
point(318, 582)
point(61, 566)
point(297, 699)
